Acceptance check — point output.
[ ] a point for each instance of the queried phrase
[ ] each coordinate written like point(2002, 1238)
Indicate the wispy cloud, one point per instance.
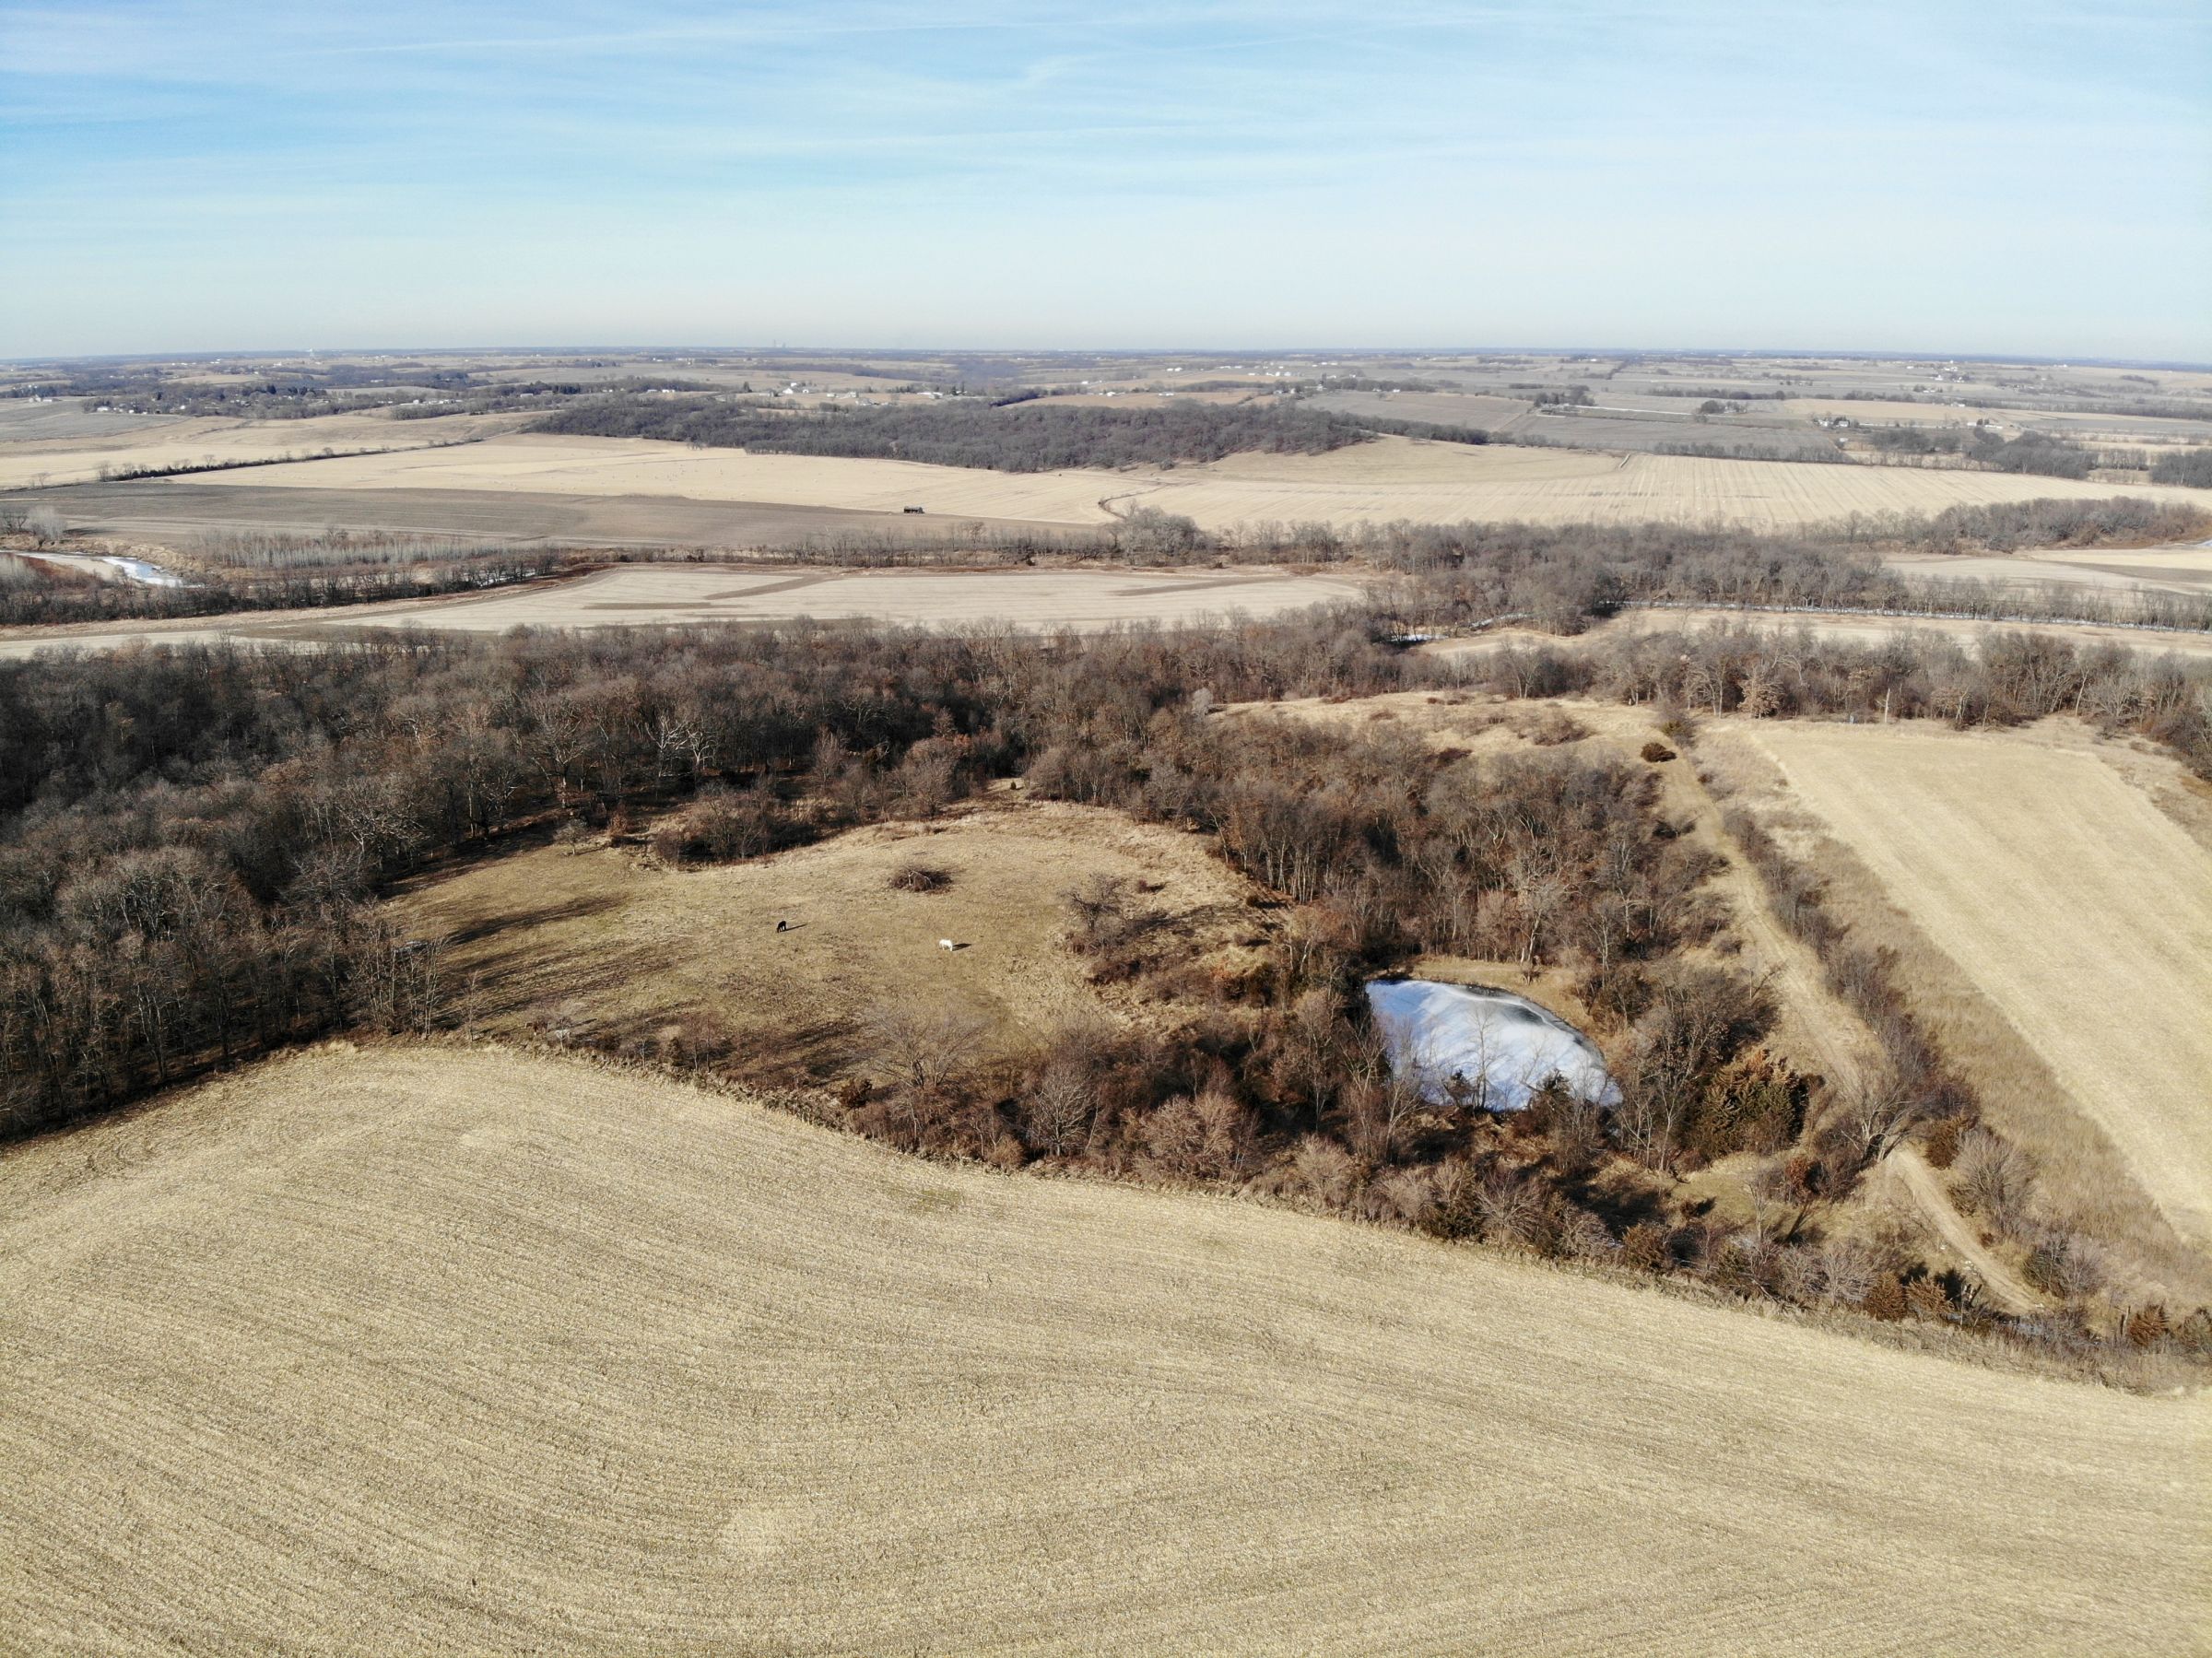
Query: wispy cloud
point(1420, 168)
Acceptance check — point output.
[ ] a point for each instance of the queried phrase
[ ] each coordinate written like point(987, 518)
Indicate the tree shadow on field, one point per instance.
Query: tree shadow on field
point(534, 976)
point(580, 908)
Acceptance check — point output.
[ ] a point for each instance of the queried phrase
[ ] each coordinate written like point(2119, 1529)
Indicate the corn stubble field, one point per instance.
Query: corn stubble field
point(449, 1348)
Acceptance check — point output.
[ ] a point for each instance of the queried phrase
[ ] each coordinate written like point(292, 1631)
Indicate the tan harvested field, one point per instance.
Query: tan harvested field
point(653, 594)
point(2042, 573)
point(603, 945)
point(1870, 411)
point(1082, 598)
point(2182, 567)
point(643, 467)
point(1444, 408)
point(1391, 479)
point(184, 512)
point(2061, 891)
point(427, 1348)
point(1400, 478)
point(193, 441)
point(30, 420)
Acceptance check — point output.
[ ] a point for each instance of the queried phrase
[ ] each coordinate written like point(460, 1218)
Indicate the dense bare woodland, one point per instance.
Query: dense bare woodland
point(1021, 434)
point(194, 839)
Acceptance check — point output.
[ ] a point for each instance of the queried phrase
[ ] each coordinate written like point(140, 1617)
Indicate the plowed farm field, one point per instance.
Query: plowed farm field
point(1391, 479)
point(462, 1350)
point(2061, 892)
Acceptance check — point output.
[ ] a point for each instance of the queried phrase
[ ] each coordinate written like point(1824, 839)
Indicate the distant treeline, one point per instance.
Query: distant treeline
point(1033, 435)
point(2044, 454)
point(295, 395)
point(279, 573)
point(504, 397)
point(2192, 466)
point(1816, 454)
point(337, 390)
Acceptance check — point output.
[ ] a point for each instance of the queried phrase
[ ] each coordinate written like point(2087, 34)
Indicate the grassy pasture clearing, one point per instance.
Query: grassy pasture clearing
point(430, 1347)
point(607, 946)
point(1388, 479)
point(2060, 891)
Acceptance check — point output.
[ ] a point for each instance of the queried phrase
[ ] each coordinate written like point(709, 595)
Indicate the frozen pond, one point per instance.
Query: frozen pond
point(1503, 1047)
point(150, 575)
point(112, 567)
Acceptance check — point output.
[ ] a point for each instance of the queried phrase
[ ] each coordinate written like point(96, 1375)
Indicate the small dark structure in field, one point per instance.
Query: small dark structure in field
point(921, 878)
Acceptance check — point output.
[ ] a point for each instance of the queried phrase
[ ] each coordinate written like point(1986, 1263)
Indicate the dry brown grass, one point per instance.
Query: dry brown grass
point(608, 947)
point(2055, 909)
point(427, 1348)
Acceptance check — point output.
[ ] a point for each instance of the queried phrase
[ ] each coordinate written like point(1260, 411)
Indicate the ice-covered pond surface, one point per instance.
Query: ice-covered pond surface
point(1504, 1046)
point(151, 575)
point(111, 567)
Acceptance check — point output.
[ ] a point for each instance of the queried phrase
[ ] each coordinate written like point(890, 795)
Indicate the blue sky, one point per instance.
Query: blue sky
point(1935, 177)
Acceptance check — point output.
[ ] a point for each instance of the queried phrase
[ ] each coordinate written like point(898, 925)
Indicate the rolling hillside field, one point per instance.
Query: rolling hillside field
point(439, 1348)
point(60, 453)
point(1389, 478)
point(655, 595)
point(2063, 894)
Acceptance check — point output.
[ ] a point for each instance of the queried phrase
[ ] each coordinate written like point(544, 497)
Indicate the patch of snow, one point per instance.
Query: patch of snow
point(149, 575)
point(1502, 1047)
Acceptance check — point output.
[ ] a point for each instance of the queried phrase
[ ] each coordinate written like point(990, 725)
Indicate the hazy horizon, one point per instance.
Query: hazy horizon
point(199, 178)
point(866, 348)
